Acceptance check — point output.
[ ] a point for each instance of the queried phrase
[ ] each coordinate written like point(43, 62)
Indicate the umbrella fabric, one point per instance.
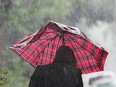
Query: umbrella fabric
point(40, 47)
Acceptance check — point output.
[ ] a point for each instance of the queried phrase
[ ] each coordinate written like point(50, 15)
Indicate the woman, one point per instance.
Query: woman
point(61, 73)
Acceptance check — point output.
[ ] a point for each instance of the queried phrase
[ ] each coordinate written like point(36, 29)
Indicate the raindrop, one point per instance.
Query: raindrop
point(65, 71)
point(77, 81)
point(52, 70)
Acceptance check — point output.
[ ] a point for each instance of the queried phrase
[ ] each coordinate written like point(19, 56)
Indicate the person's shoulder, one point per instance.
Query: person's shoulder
point(41, 67)
point(74, 68)
point(79, 71)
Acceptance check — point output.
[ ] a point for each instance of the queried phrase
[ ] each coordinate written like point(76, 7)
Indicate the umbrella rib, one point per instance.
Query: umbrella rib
point(81, 53)
point(93, 53)
point(80, 44)
point(100, 58)
point(85, 49)
point(47, 45)
point(57, 43)
point(90, 55)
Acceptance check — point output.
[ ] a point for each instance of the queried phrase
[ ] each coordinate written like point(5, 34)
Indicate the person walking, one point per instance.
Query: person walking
point(62, 72)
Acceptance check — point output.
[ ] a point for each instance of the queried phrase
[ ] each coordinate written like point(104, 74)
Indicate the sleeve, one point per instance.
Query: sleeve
point(80, 81)
point(34, 80)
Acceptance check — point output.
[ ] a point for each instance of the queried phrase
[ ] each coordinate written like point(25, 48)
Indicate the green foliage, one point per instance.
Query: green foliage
point(4, 81)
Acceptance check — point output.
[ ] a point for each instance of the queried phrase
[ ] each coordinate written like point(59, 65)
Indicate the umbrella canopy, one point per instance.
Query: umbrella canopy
point(40, 47)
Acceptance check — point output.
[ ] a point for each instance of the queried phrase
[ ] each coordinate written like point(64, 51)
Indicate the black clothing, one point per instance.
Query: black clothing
point(57, 74)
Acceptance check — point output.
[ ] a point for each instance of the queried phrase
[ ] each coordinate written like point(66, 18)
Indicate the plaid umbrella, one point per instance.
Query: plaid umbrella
point(40, 47)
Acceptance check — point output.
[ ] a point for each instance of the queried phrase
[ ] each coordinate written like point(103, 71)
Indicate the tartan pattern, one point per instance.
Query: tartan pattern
point(40, 48)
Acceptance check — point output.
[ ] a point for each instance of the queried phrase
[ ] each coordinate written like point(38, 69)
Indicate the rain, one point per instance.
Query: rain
point(96, 18)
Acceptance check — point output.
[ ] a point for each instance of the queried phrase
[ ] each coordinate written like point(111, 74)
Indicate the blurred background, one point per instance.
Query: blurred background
point(96, 18)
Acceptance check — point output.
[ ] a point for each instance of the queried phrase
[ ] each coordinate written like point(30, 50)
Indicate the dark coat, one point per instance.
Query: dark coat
point(56, 75)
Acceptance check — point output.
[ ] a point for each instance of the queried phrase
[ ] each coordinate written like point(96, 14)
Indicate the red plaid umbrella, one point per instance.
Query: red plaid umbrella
point(40, 47)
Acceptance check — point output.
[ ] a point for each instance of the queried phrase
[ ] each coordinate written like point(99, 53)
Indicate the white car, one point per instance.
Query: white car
point(99, 79)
